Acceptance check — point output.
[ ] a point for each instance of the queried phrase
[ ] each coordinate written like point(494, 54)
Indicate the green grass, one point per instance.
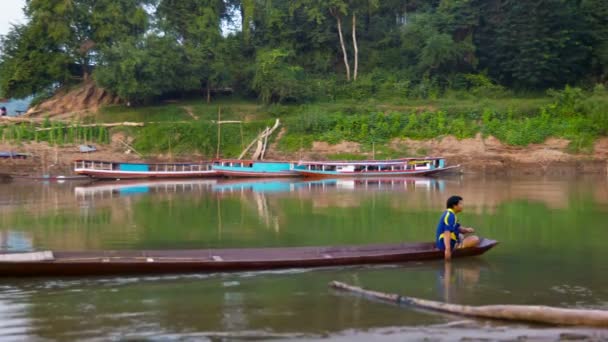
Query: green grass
point(179, 111)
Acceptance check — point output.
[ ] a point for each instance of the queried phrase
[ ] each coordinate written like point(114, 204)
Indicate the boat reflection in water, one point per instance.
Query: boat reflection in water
point(356, 184)
point(270, 185)
point(103, 190)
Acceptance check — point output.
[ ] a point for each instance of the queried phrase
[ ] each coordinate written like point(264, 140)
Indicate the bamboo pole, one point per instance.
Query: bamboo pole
point(219, 131)
point(527, 313)
point(138, 124)
point(114, 124)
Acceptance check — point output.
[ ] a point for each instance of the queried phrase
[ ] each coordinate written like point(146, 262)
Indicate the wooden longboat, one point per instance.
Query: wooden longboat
point(91, 263)
point(254, 168)
point(118, 170)
point(374, 168)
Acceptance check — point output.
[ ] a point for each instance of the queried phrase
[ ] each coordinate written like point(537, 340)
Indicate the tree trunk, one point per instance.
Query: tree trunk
point(85, 69)
point(355, 47)
point(208, 91)
point(346, 65)
point(524, 313)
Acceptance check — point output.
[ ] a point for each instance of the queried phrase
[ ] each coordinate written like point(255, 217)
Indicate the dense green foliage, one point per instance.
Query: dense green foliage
point(299, 51)
point(366, 71)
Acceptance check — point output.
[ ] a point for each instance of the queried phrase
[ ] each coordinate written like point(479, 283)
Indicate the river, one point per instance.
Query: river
point(553, 250)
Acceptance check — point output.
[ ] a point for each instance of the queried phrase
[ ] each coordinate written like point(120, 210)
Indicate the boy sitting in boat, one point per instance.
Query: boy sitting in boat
point(448, 236)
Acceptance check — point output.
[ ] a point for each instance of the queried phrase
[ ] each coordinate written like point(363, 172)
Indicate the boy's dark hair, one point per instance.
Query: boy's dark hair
point(453, 201)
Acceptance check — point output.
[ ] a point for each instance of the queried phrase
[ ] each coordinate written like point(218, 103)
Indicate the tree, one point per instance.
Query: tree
point(82, 27)
point(30, 63)
point(275, 79)
point(317, 11)
point(139, 71)
point(63, 39)
point(197, 26)
point(595, 13)
point(534, 44)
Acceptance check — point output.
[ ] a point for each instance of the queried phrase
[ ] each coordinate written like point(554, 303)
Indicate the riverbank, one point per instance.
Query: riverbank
point(564, 133)
point(478, 155)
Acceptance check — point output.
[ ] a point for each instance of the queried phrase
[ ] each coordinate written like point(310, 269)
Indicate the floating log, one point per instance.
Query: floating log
point(526, 313)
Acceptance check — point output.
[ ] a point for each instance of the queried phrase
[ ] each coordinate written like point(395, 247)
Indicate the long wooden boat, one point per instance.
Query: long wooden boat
point(118, 170)
point(374, 168)
point(91, 263)
point(254, 168)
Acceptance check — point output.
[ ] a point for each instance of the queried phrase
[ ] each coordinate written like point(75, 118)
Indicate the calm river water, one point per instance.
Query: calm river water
point(553, 250)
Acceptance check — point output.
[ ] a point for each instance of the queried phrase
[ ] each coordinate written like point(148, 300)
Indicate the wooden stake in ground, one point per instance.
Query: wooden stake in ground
point(219, 130)
point(525, 313)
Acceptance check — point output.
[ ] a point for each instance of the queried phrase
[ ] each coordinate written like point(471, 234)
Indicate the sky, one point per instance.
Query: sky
point(11, 12)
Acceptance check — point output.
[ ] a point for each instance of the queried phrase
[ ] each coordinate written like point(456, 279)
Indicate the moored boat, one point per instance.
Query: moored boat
point(89, 263)
point(254, 168)
point(373, 168)
point(118, 170)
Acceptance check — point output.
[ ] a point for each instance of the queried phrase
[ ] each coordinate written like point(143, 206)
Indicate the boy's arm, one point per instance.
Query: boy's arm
point(466, 230)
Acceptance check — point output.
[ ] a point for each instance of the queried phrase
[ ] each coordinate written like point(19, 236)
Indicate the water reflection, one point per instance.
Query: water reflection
point(458, 278)
point(126, 188)
point(111, 189)
point(15, 241)
point(552, 232)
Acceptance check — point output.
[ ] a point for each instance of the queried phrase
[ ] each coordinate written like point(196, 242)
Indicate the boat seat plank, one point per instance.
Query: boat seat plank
point(25, 257)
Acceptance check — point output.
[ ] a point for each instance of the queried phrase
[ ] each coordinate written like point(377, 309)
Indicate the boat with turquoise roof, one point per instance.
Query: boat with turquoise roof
point(254, 168)
point(120, 170)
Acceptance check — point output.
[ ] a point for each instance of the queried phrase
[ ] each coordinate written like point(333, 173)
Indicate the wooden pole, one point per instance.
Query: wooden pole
point(373, 150)
point(242, 140)
point(219, 131)
point(526, 313)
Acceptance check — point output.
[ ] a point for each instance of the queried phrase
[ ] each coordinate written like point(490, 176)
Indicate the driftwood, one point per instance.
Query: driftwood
point(261, 139)
point(130, 147)
point(527, 313)
point(258, 150)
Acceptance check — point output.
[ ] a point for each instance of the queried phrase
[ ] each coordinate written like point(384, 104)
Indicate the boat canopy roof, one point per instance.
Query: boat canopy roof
point(370, 162)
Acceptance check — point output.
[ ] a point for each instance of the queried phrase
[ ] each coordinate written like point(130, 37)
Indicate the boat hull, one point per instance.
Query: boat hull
point(331, 174)
point(116, 174)
point(222, 260)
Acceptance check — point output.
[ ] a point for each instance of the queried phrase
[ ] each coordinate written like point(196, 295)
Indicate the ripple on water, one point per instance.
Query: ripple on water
point(575, 290)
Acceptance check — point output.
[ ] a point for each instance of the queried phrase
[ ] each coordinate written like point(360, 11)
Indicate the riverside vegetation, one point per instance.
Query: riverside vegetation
point(361, 71)
point(572, 114)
